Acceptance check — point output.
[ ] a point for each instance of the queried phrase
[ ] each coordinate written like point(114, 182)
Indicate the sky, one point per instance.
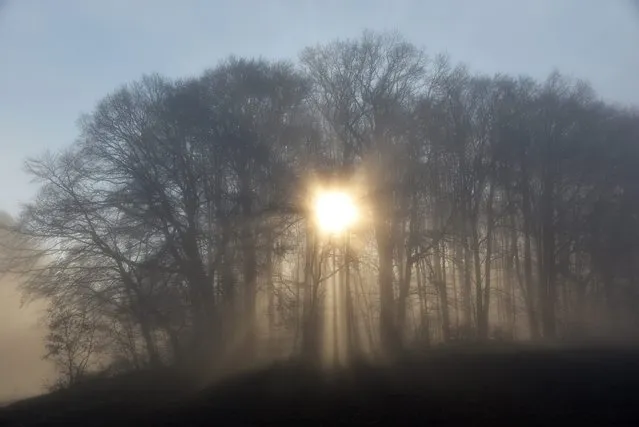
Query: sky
point(58, 58)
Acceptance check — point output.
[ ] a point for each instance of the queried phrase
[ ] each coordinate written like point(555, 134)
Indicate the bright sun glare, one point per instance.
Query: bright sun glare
point(334, 211)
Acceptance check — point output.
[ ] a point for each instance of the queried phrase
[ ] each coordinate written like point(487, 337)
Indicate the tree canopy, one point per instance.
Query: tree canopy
point(177, 227)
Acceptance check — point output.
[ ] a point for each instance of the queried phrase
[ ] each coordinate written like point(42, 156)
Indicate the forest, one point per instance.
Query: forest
point(179, 228)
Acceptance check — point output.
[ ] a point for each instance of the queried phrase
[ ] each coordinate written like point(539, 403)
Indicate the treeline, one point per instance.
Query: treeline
point(177, 228)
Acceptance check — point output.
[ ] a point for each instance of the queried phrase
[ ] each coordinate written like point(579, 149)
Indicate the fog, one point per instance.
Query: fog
point(339, 200)
point(23, 372)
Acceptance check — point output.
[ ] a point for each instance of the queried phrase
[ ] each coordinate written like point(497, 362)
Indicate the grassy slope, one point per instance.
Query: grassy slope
point(447, 387)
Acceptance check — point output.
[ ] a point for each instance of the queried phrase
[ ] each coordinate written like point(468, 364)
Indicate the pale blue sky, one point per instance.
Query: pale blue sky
point(58, 57)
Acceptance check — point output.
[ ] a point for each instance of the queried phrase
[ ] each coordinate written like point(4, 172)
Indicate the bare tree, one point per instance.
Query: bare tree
point(180, 218)
point(72, 343)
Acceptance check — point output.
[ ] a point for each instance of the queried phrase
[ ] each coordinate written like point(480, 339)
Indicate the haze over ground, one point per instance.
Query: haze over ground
point(22, 370)
point(59, 58)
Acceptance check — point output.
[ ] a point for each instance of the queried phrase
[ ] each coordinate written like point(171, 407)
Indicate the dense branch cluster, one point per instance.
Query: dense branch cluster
point(177, 229)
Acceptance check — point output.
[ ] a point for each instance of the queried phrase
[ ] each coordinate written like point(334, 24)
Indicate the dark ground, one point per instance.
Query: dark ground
point(516, 387)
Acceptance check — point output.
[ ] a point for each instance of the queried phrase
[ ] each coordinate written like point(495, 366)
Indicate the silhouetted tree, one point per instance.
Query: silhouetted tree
point(179, 222)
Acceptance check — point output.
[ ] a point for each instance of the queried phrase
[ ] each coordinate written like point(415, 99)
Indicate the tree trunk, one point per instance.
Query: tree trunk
point(530, 296)
point(249, 267)
point(482, 333)
point(548, 294)
point(353, 338)
point(485, 313)
point(140, 314)
point(455, 275)
point(310, 324)
point(149, 341)
point(443, 292)
point(407, 274)
point(270, 288)
point(423, 305)
point(467, 323)
point(388, 330)
point(201, 295)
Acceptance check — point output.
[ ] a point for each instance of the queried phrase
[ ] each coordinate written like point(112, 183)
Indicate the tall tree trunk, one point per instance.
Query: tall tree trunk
point(455, 275)
point(423, 305)
point(149, 341)
point(353, 339)
point(408, 267)
point(227, 284)
point(249, 265)
point(270, 288)
point(548, 294)
point(388, 331)
point(482, 333)
point(404, 287)
point(141, 315)
point(176, 346)
point(467, 323)
point(485, 313)
point(310, 320)
point(443, 292)
point(514, 272)
point(202, 297)
point(612, 300)
point(530, 295)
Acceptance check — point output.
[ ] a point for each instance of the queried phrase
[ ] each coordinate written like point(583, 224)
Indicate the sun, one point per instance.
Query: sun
point(335, 211)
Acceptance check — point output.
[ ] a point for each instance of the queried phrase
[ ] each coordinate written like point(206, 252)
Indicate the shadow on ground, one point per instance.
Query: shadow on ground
point(514, 386)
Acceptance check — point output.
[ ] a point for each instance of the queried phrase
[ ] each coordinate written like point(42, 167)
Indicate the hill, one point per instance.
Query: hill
point(580, 386)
